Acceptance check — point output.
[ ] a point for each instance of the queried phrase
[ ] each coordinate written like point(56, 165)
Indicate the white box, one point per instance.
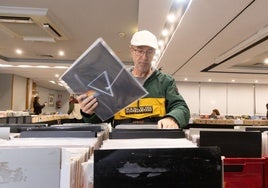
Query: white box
point(30, 167)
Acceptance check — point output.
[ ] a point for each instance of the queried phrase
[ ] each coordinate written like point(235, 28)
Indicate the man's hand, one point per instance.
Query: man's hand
point(87, 103)
point(167, 123)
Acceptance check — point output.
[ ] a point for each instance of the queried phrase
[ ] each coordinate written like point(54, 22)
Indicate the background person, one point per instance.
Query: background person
point(170, 109)
point(74, 111)
point(214, 114)
point(37, 106)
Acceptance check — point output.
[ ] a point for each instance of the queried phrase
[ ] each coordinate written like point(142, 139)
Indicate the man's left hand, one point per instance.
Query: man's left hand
point(167, 123)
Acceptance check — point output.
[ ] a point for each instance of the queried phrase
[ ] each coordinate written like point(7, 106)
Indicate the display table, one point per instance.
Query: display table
point(49, 119)
point(230, 121)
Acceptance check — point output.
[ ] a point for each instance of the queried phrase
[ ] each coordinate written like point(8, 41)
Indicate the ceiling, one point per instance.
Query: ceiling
point(217, 40)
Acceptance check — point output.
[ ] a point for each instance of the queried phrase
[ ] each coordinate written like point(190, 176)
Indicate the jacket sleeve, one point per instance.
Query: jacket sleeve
point(176, 106)
point(94, 119)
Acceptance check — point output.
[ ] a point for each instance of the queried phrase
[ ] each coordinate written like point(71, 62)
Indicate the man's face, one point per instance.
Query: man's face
point(142, 57)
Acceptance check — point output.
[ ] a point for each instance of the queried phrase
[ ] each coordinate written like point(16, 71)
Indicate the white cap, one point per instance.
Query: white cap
point(144, 38)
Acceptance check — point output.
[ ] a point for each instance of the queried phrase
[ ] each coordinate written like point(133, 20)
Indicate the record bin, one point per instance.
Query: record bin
point(245, 172)
point(158, 168)
point(266, 172)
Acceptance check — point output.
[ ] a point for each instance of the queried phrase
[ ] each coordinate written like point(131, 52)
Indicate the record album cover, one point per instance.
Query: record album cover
point(99, 72)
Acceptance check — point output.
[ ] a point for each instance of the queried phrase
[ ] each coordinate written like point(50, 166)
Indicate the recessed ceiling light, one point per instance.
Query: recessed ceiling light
point(181, 1)
point(160, 43)
point(5, 65)
point(171, 18)
point(176, 12)
point(61, 53)
point(164, 32)
point(24, 66)
point(18, 51)
point(266, 61)
point(42, 66)
point(60, 67)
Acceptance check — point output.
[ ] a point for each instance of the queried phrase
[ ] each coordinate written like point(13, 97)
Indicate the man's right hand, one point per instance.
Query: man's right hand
point(87, 103)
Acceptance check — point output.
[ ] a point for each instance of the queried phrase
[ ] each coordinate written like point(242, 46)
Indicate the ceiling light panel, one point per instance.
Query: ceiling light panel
point(174, 17)
point(30, 23)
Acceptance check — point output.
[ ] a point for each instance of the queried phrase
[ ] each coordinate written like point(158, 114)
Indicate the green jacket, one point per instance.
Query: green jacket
point(159, 85)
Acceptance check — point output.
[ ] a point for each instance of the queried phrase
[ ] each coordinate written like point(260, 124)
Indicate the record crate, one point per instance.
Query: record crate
point(245, 172)
point(266, 172)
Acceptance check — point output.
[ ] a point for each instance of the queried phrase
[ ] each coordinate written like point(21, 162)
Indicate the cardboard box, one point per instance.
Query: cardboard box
point(260, 122)
point(200, 121)
point(211, 121)
point(248, 122)
point(220, 121)
point(229, 122)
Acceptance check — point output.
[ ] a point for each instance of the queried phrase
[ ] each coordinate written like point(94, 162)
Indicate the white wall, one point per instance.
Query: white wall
point(5, 91)
point(212, 96)
point(240, 99)
point(190, 93)
point(19, 93)
point(261, 98)
point(230, 99)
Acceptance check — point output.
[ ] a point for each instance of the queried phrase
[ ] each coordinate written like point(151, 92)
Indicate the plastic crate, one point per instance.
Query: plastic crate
point(244, 172)
point(266, 172)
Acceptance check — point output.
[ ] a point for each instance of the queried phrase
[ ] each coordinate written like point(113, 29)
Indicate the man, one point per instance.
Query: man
point(74, 111)
point(166, 106)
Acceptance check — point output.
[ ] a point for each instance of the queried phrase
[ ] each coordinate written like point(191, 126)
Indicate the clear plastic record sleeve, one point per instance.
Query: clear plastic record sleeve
point(99, 72)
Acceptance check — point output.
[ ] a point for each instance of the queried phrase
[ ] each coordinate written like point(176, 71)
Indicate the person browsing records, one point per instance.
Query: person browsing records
point(214, 114)
point(74, 111)
point(163, 105)
point(37, 106)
